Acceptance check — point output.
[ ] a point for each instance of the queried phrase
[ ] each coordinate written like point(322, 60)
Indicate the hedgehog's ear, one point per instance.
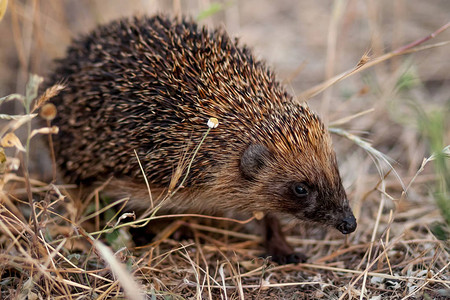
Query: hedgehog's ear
point(255, 157)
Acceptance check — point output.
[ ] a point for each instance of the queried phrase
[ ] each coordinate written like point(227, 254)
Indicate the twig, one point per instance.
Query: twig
point(367, 63)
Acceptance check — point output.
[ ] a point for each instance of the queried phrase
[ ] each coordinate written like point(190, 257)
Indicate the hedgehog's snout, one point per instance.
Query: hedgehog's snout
point(348, 224)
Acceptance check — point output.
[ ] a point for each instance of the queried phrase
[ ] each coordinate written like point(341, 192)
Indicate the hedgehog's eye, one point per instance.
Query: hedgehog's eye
point(300, 190)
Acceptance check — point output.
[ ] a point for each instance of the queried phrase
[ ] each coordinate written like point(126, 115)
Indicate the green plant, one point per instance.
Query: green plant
point(433, 126)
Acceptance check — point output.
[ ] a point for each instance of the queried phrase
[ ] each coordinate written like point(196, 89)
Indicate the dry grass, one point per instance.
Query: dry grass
point(52, 245)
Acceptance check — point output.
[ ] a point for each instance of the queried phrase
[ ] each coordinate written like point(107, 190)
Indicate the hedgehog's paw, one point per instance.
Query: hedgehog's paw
point(276, 245)
point(287, 258)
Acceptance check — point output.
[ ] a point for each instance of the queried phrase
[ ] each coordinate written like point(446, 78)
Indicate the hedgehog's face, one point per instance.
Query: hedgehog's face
point(306, 185)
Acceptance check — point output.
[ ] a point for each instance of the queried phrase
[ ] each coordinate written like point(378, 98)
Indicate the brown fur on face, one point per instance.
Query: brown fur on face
point(291, 147)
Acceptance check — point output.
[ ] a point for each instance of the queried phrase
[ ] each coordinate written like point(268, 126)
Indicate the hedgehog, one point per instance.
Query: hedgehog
point(148, 85)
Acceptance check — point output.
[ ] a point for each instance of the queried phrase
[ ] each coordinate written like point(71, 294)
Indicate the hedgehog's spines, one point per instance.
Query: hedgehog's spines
point(150, 85)
point(140, 69)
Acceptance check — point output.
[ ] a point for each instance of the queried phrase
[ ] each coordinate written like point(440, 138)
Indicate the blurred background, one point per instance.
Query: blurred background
point(305, 42)
point(288, 34)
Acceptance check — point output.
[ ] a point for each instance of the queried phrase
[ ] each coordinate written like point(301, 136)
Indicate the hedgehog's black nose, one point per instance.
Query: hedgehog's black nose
point(348, 225)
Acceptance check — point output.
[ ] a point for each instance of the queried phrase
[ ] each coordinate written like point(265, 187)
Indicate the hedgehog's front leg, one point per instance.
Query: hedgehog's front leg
point(276, 245)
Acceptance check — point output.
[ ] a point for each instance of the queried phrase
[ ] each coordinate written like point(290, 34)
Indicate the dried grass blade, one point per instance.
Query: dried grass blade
point(131, 288)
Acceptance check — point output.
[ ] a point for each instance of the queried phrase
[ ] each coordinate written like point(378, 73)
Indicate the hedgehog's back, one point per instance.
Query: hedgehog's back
point(150, 84)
